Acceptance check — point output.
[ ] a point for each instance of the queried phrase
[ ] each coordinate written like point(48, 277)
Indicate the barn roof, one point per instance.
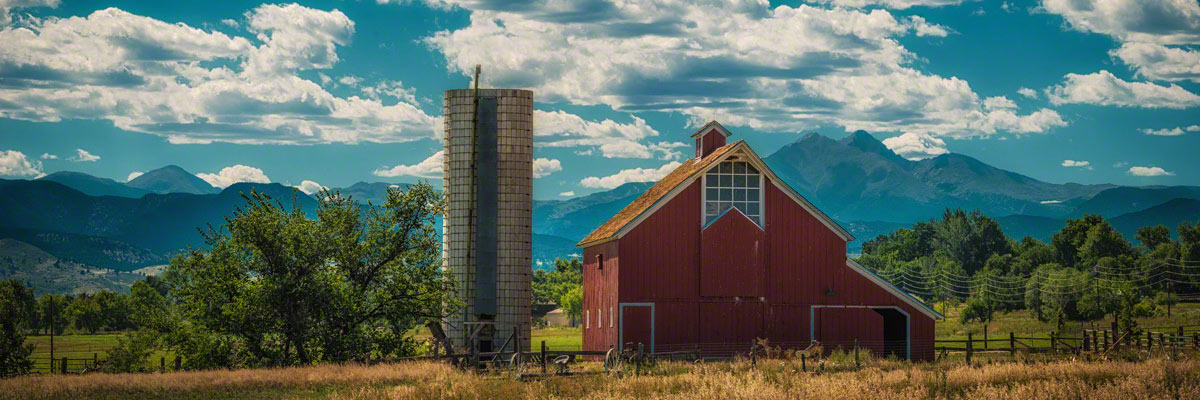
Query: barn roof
point(688, 171)
point(895, 291)
point(656, 192)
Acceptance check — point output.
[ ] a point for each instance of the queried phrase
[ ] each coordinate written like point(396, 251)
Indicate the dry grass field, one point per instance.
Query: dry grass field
point(772, 379)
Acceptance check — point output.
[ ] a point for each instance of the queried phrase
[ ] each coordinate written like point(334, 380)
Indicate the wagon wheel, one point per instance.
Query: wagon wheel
point(517, 365)
point(613, 363)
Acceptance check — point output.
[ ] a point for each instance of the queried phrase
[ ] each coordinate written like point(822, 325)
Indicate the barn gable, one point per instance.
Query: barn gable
point(683, 176)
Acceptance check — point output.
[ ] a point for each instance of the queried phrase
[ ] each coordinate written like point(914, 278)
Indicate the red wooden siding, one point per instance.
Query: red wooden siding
point(718, 288)
point(731, 256)
point(709, 142)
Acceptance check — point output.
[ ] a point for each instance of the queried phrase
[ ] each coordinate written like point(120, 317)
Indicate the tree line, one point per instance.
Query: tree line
point(562, 286)
point(272, 286)
point(1088, 271)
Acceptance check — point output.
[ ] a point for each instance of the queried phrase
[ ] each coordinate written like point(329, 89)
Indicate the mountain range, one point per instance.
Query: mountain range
point(103, 224)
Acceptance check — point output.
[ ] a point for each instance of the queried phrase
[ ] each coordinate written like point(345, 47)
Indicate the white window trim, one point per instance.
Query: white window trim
point(762, 193)
point(599, 317)
point(610, 317)
point(587, 318)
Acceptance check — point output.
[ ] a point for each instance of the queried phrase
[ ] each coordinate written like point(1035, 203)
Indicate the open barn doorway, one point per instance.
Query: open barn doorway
point(895, 333)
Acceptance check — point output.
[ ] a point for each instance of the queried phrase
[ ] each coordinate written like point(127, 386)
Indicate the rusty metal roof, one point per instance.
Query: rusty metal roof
point(681, 173)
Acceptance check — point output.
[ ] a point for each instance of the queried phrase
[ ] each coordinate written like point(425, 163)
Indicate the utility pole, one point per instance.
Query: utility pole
point(52, 333)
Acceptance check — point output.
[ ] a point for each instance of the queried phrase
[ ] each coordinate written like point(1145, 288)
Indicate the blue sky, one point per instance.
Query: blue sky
point(346, 91)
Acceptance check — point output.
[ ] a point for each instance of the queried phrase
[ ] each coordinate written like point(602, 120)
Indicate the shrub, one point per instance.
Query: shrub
point(977, 310)
point(130, 354)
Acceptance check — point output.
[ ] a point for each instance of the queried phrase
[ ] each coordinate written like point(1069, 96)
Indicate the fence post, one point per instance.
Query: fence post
point(985, 337)
point(1053, 341)
point(1012, 343)
point(64, 365)
point(1083, 345)
point(543, 357)
point(969, 349)
point(804, 362)
point(178, 363)
point(162, 364)
point(95, 359)
point(856, 353)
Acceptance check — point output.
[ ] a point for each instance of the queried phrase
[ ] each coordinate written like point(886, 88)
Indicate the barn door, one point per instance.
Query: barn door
point(637, 326)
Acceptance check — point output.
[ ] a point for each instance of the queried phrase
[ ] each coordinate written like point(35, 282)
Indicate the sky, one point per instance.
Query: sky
point(330, 93)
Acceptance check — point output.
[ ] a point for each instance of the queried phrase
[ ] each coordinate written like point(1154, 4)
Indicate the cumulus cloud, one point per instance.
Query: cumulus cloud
point(82, 155)
point(231, 175)
point(1159, 62)
point(1077, 164)
point(48, 156)
point(1153, 21)
point(893, 4)
point(769, 68)
point(14, 163)
point(1177, 131)
point(1102, 88)
point(629, 175)
point(1027, 92)
point(570, 193)
point(916, 146)
point(545, 166)
point(309, 187)
point(613, 139)
point(1149, 171)
point(7, 6)
point(193, 85)
point(431, 167)
point(133, 175)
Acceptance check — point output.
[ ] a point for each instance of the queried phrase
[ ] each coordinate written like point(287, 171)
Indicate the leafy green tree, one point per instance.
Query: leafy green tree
point(52, 310)
point(1166, 300)
point(1067, 241)
point(131, 354)
point(1033, 253)
point(548, 287)
point(24, 302)
point(977, 309)
point(274, 287)
point(1153, 236)
point(85, 312)
point(970, 238)
point(572, 303)
point(14, 352)
point(1102, 241)
point(149, 306)
point(115, 312)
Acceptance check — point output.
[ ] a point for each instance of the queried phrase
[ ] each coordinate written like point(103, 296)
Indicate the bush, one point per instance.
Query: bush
point(977, 310)
point(130, 354)
point(1144, 309)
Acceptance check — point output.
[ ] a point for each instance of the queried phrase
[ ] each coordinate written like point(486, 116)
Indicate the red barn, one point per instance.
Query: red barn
point(721, 252)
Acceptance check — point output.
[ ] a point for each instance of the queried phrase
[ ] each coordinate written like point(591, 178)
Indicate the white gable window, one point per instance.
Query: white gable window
point(733, 184)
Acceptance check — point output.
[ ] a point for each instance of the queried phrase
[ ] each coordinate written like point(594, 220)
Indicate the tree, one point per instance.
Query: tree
point(86, 314)
point(970, 238)
point(548, 287)
point(24, 302)
point(14, 352)
point(1153, 236)
point(274, 287)
point(1102, 241)
point(572, 303)
point(53, 311)
point(1067, 241)
point(150, 310)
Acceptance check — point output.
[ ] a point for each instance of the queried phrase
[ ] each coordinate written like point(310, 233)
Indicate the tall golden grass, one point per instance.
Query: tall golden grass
point(769, 379)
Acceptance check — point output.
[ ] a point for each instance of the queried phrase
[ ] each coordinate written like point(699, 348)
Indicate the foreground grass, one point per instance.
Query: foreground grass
point(721, 380)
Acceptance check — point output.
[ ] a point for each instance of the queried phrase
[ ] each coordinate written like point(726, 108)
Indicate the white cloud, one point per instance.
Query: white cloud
point(1159, 62)
point(545, 166)
point(48, 156)
point(14, 163)
point(197, 86)
point(431, 167)
point(82, 155)
point(922, 28)
point(1149, 171)
point(7, 6)
point(1177, 131)
point(916, 146)
point(230, 22)
point(567, 194)
point(1027, 92)
point(1077, 164)
point(231, 175)
point(133, 175)
point(1102, 88)
point(629, 175)
point(1154, 21)
point(769, 68)
point(310, 187)
point(615, 140)
point(893, 4)
point(1120, 164)
point(350, 80)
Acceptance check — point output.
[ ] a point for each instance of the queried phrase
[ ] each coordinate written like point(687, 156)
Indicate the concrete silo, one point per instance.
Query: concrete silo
point(487, 230)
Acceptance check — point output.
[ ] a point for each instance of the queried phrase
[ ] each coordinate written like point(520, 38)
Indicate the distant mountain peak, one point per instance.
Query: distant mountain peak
point(864, 141)
point(172, 179)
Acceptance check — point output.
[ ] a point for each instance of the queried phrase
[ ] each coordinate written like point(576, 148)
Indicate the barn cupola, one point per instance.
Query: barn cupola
point(708, 138)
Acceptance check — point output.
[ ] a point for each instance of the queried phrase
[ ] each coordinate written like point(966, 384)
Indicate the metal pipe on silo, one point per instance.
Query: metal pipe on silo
point(487, 229)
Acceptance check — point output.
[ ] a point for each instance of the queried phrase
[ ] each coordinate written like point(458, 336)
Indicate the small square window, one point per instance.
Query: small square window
point(711, 193)
point(739, 181)
point(751, 208)
point(726, 194)
point(711, 180)
point(726, 180)
point(752, 195)
point(752, 180)
point(711, 208)
point(726, 167)
point(750, 169)
point(739, 168)
point(725, 206)
point(739, 194)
